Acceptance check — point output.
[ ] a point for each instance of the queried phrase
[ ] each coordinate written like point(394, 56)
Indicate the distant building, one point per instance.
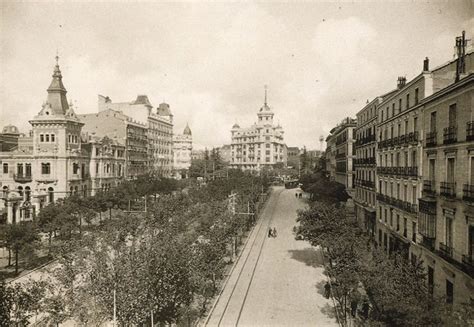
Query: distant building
point(293, 154)
point(342, 152)
point(159, 124)
point(197, 154)
point(9, 138)
point(182, 149)
point(260, 145)
point(123, 130)
point(330, 156)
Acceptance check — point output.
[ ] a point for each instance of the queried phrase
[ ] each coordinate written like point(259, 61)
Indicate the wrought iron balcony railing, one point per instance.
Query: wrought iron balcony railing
point(429, 187)
point(450, 135)
point(470, 131)
point(430, 139)
point(445, 250)
point(468, 192)
point(448, 189)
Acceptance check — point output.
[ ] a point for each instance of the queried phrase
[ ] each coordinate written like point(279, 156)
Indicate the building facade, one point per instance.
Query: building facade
point(342, 143)
point(260, 145)
point(293, 153)
point(182, 149)
point(159, 123)
point(365, 166)
point(446, 215)
point(123, 130)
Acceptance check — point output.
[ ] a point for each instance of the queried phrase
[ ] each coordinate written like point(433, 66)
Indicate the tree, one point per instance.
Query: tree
point(47, 221)
point(21, 238)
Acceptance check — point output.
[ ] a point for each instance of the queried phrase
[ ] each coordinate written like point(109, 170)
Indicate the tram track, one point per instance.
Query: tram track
point(262, 222)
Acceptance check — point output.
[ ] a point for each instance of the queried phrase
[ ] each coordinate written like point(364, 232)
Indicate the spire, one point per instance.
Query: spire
point(187, 130)
point(57, 92)
point(266, 87)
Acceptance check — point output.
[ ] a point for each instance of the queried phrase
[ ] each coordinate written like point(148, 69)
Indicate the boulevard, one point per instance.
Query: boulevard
point(277, 281)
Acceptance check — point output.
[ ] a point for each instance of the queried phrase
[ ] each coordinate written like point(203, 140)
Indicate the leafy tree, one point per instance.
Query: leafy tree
point(21, 238)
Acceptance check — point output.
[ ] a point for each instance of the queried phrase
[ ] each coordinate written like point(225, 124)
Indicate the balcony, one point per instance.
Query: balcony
point(468, 193)
point(468, 263)
point(428, 243)
point(445, 251)
point(470, 131)
point(450, 135)
point(448, 189)
point(427, 207)
point(22, 178)
point(430, 139)
point(429, 188)
point(364, 161)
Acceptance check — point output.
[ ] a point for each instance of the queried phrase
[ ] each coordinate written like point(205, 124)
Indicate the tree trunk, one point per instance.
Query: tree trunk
point(110, 213)
point(9, 257)
point(16, 262)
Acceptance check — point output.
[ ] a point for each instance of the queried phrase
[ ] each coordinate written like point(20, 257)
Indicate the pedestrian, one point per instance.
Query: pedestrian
point(296, 195)
point(274, 232)
point(270, 232)
point(301, 195)
point(327, 290)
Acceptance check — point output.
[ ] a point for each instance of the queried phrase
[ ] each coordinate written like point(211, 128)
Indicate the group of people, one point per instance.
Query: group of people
point(298, 195)
point(272, 232)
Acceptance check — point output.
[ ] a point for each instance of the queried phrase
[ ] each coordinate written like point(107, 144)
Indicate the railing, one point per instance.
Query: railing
point(431, 139)
point(446, 250)
point(428, 243)
point(22, 178)
point(401, 140)
point(468, 192)
point(427, 207)
point(429, 187)
point(448, 189)
point(340, 155)
point(398, 171)
point(468, 260)
point(364, 161)
point(450, 135)
point(400, 204)
point(365, 140)
point(470, 131)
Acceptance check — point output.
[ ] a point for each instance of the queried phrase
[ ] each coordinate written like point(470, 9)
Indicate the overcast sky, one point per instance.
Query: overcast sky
point(210, 61)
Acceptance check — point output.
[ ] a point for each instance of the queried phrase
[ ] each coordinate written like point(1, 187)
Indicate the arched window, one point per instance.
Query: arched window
point(50, 195)
point(20, 190)
point(5, 191)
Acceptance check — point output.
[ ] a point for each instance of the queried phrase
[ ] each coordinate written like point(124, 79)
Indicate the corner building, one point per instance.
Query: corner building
point(260, 145)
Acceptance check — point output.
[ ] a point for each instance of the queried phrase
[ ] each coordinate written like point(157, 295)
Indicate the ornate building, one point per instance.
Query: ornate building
point(49, 164)
point(260, 145)
point(182, 149)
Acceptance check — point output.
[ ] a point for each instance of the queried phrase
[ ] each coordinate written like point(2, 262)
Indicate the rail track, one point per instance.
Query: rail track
point(258, 243)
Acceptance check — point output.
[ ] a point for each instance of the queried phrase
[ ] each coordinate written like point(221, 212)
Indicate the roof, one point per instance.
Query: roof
point(10, 129)
point(163, 109)
point(142, 99)
point(187, 130)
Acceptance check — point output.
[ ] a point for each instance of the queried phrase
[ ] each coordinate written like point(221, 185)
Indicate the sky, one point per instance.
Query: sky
point(210, 60)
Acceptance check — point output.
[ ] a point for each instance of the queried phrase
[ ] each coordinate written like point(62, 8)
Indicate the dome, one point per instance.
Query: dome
point(164, 109)
point(10, 129)
point(187, 130)
point(235, 126)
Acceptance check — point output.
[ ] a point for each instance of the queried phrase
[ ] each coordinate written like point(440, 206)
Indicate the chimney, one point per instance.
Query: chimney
point(426, 64)
point(401, 82)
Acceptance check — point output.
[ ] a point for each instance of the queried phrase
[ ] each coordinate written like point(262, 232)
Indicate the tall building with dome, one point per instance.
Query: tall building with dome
point(182, 149)
point(260, 145)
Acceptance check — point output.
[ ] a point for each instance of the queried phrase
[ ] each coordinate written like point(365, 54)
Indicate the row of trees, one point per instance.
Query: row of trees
point(164, 264)
point(395, 288)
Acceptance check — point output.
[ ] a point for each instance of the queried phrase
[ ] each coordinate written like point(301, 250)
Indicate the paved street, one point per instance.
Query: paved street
point(277, 281)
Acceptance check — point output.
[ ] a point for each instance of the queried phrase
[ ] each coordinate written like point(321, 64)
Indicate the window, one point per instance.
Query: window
point(413, 231)
point(415, 124)
point(400, 104)
point(413, 158)
point(398, 222)
point(20, 190)
point(41, 138)
point(69, 138)
point(47, 137)
point(450, 170)
point(405, 227)
point(416, 96)
point(52, 137)
point(27, 193)
point(393, 110)
point(97, 151)
point(5, 168)
point(75, 168)
point(448, 237)
point(433, 122)
point(407, 105)
point(28, 169)
point(452, 115)
point(19, 169)
point(413, 195)
point(449, 292)
point(432, 171)
point(45, 168)
point(97, 167)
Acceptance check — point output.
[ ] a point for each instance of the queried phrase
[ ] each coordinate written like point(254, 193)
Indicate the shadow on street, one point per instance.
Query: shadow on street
point(308, 256)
